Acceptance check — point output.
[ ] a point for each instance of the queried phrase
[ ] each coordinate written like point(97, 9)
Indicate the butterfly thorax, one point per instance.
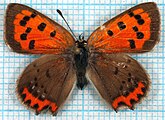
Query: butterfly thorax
point(81, 62)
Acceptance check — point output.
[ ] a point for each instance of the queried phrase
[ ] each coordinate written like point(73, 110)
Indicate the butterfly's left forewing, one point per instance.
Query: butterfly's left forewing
point(133, 31)
point(120, 80)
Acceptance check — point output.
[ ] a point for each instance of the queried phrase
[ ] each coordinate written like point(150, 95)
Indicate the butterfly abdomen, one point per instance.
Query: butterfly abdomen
point(81, 62)
point(81, 81)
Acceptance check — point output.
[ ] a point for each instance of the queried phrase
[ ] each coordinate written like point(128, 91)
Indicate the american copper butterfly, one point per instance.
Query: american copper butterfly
point(46, 83)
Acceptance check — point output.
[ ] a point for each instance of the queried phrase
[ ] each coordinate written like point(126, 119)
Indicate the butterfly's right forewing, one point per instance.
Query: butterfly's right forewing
point(27, 30)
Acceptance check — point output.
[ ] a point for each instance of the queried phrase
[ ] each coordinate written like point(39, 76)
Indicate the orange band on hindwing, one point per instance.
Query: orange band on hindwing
point(132, 96)
point(41, 104)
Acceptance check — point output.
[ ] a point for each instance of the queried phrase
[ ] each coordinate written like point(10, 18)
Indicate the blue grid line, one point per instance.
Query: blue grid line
point(163, 101)
point(91, 4)
point(83, 90)
point(3, 83)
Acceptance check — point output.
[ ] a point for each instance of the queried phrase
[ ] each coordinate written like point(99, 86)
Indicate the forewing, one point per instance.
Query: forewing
point(118, 78)
point(28, 31)
point(135, 30)
point(46, 83)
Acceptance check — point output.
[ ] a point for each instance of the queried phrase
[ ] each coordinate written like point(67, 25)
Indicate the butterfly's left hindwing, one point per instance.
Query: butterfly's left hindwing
point(46, 83)
point(135, 30)
point(29, 31)
point(118, 78)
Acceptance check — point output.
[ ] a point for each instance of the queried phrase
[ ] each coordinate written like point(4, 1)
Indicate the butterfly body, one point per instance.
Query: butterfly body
point(81, 62)
point(47, 82)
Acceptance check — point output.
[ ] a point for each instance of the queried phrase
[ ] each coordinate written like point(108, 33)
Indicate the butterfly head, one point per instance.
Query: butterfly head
point(81, 44)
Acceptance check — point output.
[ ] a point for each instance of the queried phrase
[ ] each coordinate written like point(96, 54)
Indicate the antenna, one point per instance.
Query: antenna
point(60, 13)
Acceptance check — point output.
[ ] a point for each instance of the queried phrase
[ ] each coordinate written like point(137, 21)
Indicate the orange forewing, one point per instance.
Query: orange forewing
point(35, 33)
point(135, 30)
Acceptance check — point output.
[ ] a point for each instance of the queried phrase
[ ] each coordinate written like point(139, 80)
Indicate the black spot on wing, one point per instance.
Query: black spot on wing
point(109, 32)
point(22, 22)
point(33, 15)
point(36, 106)
point(46, 107)
point(140, 21)
point(139, 96)
point(31, 44)
point(132, 44)
point(42, 97)
point(121, 25)
point(137, 17)
point(132, 101)
point(125, 93)
point(26, 18)
point(121, 87)
point(35, 79)
point(30, 89)
point(47, 74)
point(135, 28)
point(27, 102)
point(121, 104)
point(23, 96)
point(131, 14)
point(42, 26)
point(23, 36)
point(52, 34)
point(35, 93)
point(28, 30)
point(143, 90)
point(123, 82)
point(129, 74)
point(116, 70)
point(129, 79)
point(140, 35)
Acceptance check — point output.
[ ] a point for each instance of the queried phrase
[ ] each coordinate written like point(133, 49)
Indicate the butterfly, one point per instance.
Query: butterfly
point(102, 59)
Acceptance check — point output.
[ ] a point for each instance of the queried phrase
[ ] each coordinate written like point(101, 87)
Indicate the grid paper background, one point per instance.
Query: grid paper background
point(83, 16)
